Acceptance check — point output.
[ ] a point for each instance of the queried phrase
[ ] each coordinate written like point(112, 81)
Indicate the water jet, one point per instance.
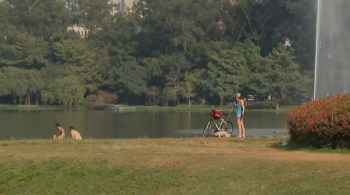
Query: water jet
point(332, 59)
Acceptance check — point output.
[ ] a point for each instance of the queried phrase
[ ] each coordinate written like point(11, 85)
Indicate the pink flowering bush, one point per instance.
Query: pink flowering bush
point(322, 123)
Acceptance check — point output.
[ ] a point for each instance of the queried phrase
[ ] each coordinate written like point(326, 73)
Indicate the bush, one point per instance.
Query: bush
point(101, 99)
point(322, 123)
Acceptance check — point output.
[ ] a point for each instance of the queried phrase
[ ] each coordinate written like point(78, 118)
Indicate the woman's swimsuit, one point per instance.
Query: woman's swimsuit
point(238, 109)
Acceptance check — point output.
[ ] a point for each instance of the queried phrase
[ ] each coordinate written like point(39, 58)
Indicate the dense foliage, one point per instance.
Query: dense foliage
point(157, 53)
point(322, 123)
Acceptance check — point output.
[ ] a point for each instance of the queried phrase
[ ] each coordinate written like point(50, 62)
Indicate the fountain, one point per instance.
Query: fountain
point(332, 60)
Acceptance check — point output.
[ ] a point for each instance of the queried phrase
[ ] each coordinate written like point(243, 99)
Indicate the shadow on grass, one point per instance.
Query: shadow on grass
point(288, 146)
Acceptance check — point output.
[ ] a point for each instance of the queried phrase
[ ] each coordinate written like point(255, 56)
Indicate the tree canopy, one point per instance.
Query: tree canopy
point(157, 53)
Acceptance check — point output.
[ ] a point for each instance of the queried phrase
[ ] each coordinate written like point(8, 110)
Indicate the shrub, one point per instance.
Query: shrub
point(322, 123)
point(101, 98)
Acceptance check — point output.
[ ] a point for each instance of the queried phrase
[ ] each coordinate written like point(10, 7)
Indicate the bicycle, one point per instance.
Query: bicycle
point(213, 125)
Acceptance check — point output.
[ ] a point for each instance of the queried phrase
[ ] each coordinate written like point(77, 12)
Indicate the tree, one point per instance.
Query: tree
point(285, 78)
point(160, 50)
point(227, 71)
point(126, 78)
point(152, 94)
point(75, 56)
point(4, 12)
point(191, 82)
point(40, 18)
point(166, 71)
point(256, 81)
point(67, 91)
point(35, 85)
point(90, 13)
point(21, 49)
point(298, 25)
point(170, 26)
point(14, 83)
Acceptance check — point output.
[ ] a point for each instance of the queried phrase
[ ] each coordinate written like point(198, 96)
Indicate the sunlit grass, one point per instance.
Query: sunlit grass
point(170, 166)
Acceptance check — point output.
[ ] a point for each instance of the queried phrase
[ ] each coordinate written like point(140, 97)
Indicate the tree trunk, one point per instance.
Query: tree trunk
point(154, 97)
point(28, 100)
point(221, 100)
point(37, 99)
point(189, 101)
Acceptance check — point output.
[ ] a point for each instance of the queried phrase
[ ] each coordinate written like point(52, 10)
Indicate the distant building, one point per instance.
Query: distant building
point(233, 2)
point(122, 5)
point(81, 30)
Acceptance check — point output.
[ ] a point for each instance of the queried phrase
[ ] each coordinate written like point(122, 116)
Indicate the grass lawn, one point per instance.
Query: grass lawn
point(170, 166)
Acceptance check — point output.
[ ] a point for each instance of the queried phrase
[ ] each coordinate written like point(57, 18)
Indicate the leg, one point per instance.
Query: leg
point(243, 128)
point(239, 128)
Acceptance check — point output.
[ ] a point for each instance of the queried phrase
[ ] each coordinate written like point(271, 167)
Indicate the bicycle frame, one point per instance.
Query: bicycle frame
point(218, 125)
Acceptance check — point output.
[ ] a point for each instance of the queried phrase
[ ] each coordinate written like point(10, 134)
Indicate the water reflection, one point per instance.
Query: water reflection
point(110, 124)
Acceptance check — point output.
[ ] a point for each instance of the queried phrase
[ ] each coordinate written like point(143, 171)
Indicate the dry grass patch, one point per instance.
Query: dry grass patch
point(172, 151)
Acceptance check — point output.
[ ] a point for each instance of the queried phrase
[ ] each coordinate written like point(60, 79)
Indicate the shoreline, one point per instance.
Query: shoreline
point(121, 108)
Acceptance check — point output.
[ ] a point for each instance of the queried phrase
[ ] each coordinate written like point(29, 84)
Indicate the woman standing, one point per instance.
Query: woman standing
point(240, 110)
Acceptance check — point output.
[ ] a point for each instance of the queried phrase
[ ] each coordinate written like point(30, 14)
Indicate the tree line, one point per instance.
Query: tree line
point(157, 53)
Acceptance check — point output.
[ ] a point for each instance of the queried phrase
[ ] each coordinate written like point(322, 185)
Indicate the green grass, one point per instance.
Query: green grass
point(59, 176)
point(170, 166)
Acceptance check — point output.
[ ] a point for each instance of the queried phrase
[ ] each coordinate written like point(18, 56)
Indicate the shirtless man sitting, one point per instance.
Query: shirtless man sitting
point(61, 133)
point(75, 134)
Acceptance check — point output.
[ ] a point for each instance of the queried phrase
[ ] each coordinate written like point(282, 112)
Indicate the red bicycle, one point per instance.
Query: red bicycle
point(217, 123)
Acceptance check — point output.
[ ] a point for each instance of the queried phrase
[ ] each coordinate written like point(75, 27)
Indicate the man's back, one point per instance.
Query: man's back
point(76, 135)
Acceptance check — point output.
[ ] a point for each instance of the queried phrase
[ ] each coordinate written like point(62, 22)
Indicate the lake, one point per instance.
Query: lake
point(130, 124)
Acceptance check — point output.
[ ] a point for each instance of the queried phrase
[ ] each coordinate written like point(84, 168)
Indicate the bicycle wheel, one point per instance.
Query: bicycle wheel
point(208, 128)
point(227, 126)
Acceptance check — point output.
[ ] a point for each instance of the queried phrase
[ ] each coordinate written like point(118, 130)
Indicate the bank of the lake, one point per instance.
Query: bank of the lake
point(169, 166)
point(121, 107)
point(8, 107)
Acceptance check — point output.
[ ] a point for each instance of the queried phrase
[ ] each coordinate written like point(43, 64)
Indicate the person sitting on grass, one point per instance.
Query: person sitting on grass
point(75, 134)
point(61, 133)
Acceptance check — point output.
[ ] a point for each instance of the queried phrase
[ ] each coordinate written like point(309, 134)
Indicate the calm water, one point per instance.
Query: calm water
point(110, 124)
